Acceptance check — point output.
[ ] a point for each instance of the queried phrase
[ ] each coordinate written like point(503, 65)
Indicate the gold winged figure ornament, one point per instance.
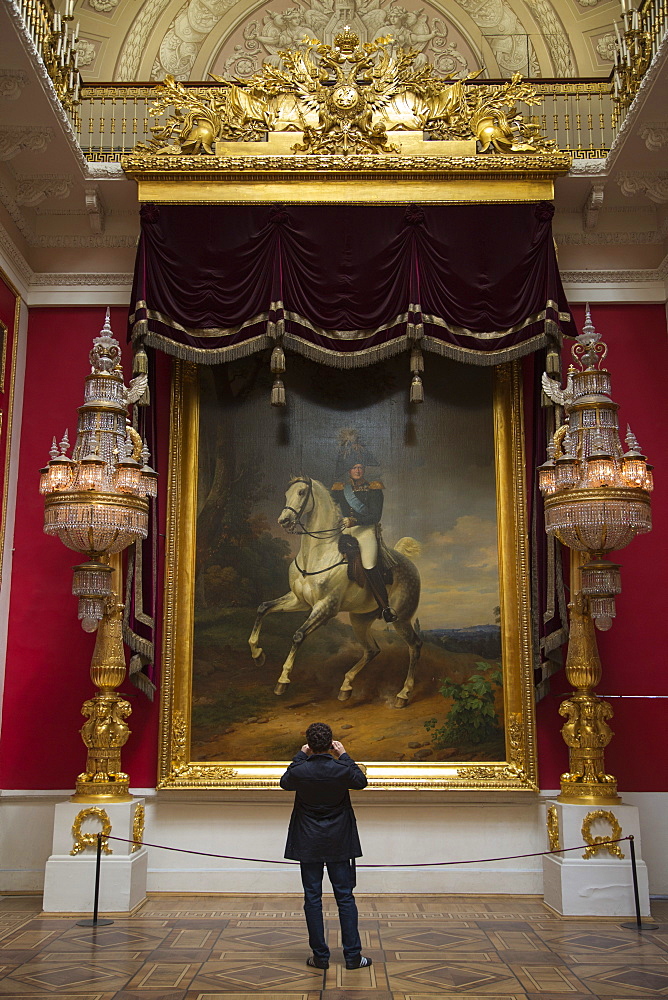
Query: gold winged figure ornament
point(344, 99)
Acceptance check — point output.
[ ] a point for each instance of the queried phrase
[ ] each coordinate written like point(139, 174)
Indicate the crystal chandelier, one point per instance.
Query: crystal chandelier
point(596, 495)
point(96, 502)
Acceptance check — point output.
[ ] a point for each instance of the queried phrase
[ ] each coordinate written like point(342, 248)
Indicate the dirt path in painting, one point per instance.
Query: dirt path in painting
point(267, 727)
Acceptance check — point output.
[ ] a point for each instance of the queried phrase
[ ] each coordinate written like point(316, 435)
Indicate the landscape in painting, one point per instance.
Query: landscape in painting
point(434, 466)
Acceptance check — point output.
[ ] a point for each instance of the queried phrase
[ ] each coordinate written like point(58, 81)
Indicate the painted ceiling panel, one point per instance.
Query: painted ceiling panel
point(124, 40)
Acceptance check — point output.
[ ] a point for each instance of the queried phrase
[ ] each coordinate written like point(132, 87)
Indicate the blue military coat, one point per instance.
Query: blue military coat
point(322, 825)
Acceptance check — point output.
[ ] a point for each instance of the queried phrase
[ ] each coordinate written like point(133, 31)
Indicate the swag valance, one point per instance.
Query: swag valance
point(348, 285)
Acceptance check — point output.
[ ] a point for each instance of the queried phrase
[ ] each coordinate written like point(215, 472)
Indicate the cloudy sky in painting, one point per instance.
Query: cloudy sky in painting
point(459, 575)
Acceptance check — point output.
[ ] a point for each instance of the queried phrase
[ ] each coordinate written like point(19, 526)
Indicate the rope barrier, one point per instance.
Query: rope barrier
point(96, 922)
point(408, 864)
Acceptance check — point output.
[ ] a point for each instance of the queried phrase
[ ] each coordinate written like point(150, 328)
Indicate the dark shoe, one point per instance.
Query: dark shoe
point(362, 964)
point(313, 963)
point(389, 615)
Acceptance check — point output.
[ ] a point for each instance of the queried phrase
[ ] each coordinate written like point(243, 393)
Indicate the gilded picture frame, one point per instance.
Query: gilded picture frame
point(516, 772)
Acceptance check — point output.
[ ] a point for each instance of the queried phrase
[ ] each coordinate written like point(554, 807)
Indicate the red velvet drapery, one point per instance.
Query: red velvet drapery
point(348, 284)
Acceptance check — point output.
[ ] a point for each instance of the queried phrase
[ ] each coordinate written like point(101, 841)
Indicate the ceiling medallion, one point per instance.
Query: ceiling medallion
point(346, 99)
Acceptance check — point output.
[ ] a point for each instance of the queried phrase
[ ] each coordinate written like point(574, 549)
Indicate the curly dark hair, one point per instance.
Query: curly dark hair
point(319, 737)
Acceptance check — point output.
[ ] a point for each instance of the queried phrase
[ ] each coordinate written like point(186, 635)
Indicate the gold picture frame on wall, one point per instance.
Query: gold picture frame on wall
point(186, 760)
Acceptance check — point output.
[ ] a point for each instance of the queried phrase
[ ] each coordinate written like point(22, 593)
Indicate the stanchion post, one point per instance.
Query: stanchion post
point(634, 872)
point(638, 925)
point(96, 895)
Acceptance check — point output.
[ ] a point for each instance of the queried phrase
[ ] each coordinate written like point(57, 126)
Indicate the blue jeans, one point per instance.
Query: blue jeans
point(341, 875)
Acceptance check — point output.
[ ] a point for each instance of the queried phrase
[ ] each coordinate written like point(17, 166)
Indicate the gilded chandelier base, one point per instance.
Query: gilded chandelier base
point(105, 731)
point(586, 731)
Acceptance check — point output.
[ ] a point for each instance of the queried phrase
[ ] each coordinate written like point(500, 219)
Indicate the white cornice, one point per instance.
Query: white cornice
point(608, 239)
point(62, 288)
point(67, 279)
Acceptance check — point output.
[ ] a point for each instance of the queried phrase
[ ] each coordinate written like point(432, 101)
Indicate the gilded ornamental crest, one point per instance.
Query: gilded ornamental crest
point(346, 98)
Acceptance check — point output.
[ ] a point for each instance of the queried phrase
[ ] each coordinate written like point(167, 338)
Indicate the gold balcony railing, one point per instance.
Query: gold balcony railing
point(579, 115)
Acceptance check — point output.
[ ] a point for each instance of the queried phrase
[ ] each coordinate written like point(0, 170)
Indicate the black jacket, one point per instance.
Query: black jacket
point(369, 494)
point(322, 825)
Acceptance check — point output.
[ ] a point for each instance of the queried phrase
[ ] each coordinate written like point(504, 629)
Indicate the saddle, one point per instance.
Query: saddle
point(349, 548)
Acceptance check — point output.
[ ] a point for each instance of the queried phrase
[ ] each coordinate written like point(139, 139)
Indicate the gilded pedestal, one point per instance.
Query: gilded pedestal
point(586, 731)
point(105, 731)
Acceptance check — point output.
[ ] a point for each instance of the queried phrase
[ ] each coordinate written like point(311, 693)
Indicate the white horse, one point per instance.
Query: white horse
point(319, 582)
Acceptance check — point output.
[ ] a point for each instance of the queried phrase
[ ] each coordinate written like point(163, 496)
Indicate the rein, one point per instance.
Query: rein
point(325, 532)
point(315, 572)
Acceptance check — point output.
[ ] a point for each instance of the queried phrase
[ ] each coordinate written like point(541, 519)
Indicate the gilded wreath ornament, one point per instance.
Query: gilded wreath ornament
point(83, 840)
point(345, 99)
point(597, 844)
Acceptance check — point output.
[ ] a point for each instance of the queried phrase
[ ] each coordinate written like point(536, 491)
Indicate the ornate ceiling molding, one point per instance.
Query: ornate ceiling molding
point(15, 139)
point(609, 239)
point(12, 82)
point(653, 186)
point(67, 279)
point(655, 136)
point(62, 279)
point(12, 254)
point(659, 273)
point(105, 170)
point(32, 191)
point(589, 167)
point(191, 43)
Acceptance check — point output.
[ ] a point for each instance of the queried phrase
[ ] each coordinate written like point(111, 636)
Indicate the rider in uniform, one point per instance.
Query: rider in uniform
point(361, 504)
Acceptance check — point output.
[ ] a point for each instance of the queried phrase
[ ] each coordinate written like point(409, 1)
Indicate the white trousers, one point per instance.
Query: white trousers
point(366, 536)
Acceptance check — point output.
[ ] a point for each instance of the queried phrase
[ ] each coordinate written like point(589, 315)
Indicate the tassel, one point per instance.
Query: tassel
point(278, 393)
point(140, 367)
point(140, 362)
point(417, 366)
point(277, 360)
point(417, 390)
point(553, 362)
point(417, 361)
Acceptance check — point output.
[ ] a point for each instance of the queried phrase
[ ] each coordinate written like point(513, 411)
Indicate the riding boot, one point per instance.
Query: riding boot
point(379, 590)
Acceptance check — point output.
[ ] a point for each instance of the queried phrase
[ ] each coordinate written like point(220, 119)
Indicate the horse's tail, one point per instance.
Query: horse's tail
point(409, 547)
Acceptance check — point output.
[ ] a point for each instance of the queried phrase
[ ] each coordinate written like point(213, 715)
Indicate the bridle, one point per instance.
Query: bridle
point(324, 532)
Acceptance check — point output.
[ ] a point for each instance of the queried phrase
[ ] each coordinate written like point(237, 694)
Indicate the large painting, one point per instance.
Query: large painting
point(349, 558)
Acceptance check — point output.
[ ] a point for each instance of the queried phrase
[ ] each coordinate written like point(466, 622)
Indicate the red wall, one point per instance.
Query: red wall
point(48, 654)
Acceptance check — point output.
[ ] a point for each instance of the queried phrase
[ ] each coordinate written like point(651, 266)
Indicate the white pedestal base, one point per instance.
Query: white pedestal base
point(69, 882)
point(600, 886)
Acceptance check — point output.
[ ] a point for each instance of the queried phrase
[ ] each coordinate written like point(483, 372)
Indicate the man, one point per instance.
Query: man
point(323, 832)
point(361, 505)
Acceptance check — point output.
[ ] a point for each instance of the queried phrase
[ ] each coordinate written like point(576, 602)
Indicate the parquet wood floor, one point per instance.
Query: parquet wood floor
point(240, 947)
